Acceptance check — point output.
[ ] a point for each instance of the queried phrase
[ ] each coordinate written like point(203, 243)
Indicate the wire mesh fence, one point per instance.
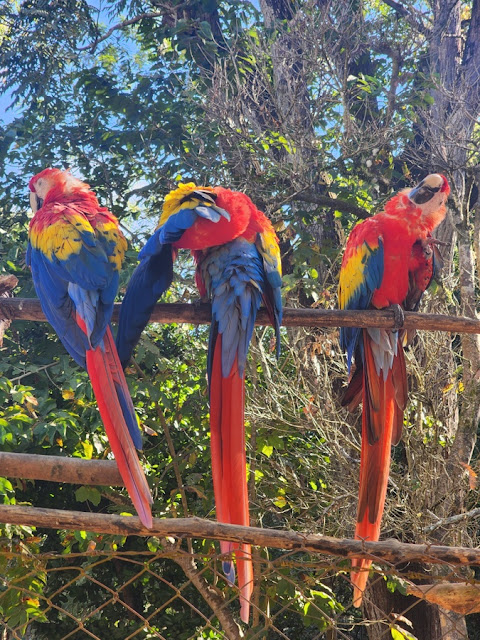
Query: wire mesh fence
point(173, 593)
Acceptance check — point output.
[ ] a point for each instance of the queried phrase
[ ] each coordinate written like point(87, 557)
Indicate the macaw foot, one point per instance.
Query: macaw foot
point(430, 245)
point(398, 316)
point(437, 243)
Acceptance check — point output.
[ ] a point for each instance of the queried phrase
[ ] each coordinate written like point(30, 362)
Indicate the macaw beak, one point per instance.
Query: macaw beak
point(212, 213)
point(422, 193)
point(428, 187)
point(35, 202)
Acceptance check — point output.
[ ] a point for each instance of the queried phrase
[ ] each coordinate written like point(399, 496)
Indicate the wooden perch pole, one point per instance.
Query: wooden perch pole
point(29, 309)
point(60, 469)
point(389, 551)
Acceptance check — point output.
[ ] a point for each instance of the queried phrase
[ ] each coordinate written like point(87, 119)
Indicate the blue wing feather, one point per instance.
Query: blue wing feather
point(149, 281)
point(154, 274)
point(171, 231)
point(57, 306)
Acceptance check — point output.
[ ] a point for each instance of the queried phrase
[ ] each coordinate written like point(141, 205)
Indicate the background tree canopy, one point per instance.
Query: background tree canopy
point(319, 110)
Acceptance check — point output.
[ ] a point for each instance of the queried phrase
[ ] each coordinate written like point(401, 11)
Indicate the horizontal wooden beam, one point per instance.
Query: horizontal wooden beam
point(29, 309)
point(389, 551)
point(60, 469)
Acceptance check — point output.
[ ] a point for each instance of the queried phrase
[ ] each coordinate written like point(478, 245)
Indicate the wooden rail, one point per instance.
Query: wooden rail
point(386, 550)
point(60, 469)
point(29, 309)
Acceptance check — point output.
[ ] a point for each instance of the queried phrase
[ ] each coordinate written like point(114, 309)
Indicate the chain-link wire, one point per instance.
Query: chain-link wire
point(172, 594)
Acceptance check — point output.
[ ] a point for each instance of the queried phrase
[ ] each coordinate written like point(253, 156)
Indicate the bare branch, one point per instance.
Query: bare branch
point(60, 469)
point(7, 283)
point(29, 309)
point(459, 517)
point(121, 25)
point(335, 203)
point(212, 597)
point(411, 16)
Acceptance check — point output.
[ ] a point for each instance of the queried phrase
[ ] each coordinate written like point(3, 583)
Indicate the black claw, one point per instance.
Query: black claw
point(197, 302)
point(398, 316)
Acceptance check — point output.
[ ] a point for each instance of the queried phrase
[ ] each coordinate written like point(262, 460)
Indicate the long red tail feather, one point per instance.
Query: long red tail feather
point(104, 369)
point(229, 467)
point(381, 421)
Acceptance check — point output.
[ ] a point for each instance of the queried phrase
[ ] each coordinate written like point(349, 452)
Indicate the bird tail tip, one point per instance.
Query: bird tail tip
point(359, 579)
point(228, 566)
point(244, 609)
point(146, 517)
point(243, 555)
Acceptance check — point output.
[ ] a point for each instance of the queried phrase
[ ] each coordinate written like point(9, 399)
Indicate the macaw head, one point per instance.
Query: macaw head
point(186, 196)
point(53, 183)
point(430, 196)
point(434, 184)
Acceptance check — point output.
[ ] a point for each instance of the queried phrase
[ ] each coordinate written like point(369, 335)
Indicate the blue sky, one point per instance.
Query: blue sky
point(7, 114)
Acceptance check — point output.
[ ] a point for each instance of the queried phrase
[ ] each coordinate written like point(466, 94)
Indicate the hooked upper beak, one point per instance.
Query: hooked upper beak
point(35, 202)
point(422, 193)
point(212, 213)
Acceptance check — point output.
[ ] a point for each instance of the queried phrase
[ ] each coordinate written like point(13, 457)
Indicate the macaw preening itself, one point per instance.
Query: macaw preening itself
point(75, 252)
point(238, 266)
point(388, 262)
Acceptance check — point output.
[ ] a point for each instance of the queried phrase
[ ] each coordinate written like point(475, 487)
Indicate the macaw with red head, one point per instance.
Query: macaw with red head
point(75, 252)
point(389, 261)
point(238, 266)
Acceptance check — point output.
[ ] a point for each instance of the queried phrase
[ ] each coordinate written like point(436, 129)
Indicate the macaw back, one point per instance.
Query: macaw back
point(75, 252)
point(238, 266)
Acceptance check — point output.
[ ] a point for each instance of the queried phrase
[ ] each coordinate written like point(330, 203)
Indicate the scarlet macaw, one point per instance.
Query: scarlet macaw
point(238, 265)
point(75, 252)
point(388, 261)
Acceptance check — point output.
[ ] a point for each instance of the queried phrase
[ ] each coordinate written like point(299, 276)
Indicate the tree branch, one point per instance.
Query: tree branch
point(212, 597)
point(7, 283)
point(389, 551)
point(459, 517)
point(121, 25)
point(29, 309)
point(326, 201)
point(60, 469)
point(409, 15)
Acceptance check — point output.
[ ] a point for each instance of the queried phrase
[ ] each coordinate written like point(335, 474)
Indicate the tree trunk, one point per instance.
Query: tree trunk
point(382, 605)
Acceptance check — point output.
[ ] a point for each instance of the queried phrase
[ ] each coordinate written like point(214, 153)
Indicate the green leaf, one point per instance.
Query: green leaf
point(267, 450)
point(91, 494)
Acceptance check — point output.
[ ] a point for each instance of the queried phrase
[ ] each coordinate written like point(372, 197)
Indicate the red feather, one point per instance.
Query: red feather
point(104, 368)
point(229, 465)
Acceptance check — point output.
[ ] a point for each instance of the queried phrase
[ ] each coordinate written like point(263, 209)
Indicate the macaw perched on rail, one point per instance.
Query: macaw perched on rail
point(75, 252)
point(238, 265)
point(389, 261)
